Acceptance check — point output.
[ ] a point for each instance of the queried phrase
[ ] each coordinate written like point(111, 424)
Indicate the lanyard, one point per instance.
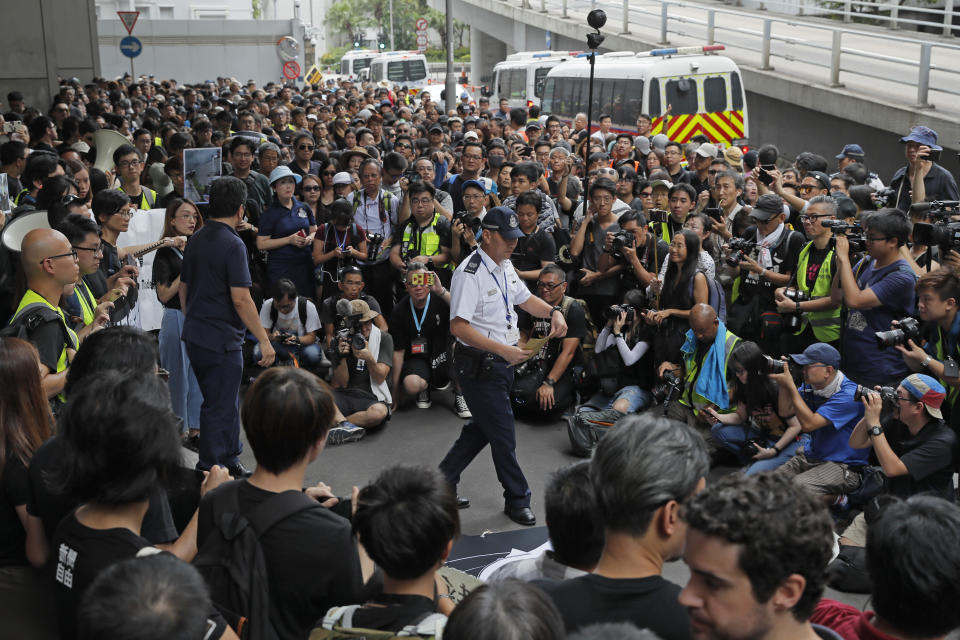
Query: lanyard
point(340, 243)
point(423, 316)
point(504, 290)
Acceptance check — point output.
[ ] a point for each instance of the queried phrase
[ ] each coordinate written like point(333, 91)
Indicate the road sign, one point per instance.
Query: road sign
point(291, 70)
point(128, 18)
point(313, 75)
point(421, 24)
point(549, 38)
point(131, 46)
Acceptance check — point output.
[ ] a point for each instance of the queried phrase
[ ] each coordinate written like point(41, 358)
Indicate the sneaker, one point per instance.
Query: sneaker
point(460, 406)
point(423, 399)
point(345, 432)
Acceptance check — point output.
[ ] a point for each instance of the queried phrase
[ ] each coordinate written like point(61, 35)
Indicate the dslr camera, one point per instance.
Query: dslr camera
point(739, 248)
point(467, 220)
point(793, 320)
point(903, 330)
point(853, 232)
point(772, 365)
point(887, 394)
point(669, 389)
point(412, 176)
point(374, 242)
point(884, 198)
point(620, 240)
point(614, 310)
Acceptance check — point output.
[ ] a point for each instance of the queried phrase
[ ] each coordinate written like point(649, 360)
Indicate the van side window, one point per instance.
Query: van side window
point(654, 108)
point(539, 77)
point(736, 91)
point(682, 95)
point(715, 94)
point(633, 100)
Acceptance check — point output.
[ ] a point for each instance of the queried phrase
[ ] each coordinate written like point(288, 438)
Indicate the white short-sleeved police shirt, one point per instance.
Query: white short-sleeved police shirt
point(484, 293)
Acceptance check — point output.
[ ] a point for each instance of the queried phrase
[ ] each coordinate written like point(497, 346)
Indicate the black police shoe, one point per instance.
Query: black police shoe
point(462, 503)
point(238, 471)
point(521, 515)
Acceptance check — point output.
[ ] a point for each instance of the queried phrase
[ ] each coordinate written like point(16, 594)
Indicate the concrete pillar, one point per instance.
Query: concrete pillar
point(485, 51)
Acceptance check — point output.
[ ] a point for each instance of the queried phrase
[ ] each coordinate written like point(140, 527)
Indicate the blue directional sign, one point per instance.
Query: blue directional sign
point(131, 46)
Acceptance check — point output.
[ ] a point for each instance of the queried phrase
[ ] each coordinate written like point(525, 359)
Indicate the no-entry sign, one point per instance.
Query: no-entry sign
point(291, 70)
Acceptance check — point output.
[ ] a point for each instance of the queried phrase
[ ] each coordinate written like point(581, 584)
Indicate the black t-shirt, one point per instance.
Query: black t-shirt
point(540, 328)
point(77, 555)
point(649, 603)
point(166, 269)
point(928, 457)
point(393, 611)
point(815, 260)
point(14, 492)
point(311, 560)
point(49, 339)
point(435, 327)
point(533, 250)
point(651, 255)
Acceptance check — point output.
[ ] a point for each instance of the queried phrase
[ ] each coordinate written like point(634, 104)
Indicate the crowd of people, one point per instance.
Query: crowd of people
point(791, 324)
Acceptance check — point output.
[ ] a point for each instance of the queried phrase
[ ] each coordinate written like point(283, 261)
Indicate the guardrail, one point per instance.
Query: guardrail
point(870, 12)
point(782, 30)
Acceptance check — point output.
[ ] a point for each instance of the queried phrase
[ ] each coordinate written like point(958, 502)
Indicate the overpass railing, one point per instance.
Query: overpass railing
point(917, 61)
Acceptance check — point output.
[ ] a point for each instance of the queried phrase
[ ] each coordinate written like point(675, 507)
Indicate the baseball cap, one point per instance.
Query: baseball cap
point(436, 129)
point(923, 135)
point(342, 177)
point(707, 150)
point(768, 205)
point(818, 353)
point(476, 184)
point(661, 183)
point(503, 220)
point(820, 177)
point(659, 141)
point(642, 143)
point(386, 103)
point(851, 151)
point(927, 390)
point(471, 135)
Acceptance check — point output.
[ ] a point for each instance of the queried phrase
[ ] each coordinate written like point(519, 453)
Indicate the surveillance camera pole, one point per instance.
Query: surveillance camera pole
point(596, 19)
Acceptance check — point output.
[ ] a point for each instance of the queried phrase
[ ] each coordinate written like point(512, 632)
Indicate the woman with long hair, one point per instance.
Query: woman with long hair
point(25, 423)
point(328, 169)
point(759, 433)
point(182, 218)
point(683, 286)
point(654, 160)
point(309, 191)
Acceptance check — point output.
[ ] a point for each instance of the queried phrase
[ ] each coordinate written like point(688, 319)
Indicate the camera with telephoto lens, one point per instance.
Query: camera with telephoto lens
point(668, 389)
point(886, 197)
point(793, 320)
point(773, 365)
point(613, 312)
point(658, 215)
point(412, 176)
point(620, 240)
point(351, 333)
point(887, 394)
point(739, 248)
point(852, 230)
point(903, 330)
point(468, 220)
point(374, 241)
point(945, 235)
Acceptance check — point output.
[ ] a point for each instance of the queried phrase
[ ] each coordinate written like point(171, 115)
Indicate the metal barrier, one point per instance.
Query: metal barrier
point(778, 29)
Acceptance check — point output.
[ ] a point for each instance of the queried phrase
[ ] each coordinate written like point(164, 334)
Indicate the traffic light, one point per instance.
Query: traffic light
point(383, 45)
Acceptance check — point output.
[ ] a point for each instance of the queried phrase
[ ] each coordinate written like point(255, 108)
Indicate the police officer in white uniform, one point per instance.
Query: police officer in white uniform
point(484, 291)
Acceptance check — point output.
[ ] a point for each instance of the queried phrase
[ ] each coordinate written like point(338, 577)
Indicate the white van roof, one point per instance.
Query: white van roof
point(622, 63)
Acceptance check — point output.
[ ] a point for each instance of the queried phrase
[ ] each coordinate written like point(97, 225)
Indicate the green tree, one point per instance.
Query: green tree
point(354, 16)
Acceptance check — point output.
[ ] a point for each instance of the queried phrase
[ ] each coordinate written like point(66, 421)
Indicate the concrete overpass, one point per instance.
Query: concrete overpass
point(812, 83)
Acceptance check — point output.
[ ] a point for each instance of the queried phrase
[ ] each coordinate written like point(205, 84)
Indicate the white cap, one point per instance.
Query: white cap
point(342, 177)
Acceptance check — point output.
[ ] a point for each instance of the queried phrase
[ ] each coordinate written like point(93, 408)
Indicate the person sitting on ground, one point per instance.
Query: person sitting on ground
point(420, 512)
point(642, 469)
point(360, 376)
point(757, 549)
point(573, 525)
point(121, 439)
point(913, 565)
point(311, 556)
point(351, 287)
point(292, 323)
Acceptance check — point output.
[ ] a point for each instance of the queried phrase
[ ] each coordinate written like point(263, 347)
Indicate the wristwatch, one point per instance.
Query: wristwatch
point(555, 309)
point(549, 382)
point(875, 430)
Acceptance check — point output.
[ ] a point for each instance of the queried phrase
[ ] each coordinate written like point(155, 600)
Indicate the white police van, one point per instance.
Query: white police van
point(400, 68)
point(520, 78)
point(355, 61)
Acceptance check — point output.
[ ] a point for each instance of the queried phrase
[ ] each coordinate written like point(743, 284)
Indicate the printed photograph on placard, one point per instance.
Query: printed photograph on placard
point(200, 168)
point(4, 194)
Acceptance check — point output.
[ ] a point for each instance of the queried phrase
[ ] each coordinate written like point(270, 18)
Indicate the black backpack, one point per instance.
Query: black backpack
point(231, 559)
point(301, 309)
point(31, 318)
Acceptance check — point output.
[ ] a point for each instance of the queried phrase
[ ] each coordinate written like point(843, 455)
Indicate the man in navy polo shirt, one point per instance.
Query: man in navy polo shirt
point(922, 180)
point(215, 297)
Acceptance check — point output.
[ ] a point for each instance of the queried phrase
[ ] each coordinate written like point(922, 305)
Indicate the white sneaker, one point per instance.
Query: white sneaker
point(345, 432)
point(423, 399)
point(460, 406)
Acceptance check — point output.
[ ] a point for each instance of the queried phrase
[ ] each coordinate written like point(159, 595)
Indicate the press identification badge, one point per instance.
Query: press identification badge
point(513, 335)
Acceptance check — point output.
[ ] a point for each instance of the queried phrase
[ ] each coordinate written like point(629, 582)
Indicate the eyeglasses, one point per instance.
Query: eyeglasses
point(127, 164)
point(472, 196)
point(310, 189)
point(306, 147)
point(421, 201)
point(70, 199)
point(242, 155)
point(471, 157)
point(124, 213)
point(646, 194)
point(73, 253)
point(712, 172)
point(804, 188)
point(403, 145)
point(876, 238)
point(548, 286)
point(806, 216)
point(93, 250)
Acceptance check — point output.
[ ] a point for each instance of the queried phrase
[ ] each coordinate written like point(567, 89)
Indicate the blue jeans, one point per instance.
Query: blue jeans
point(639, 399)
point(308, 355)
point(185, 396)
point(733, 436)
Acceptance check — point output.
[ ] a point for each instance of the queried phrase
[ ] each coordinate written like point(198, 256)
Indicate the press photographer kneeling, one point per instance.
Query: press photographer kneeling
point(545, 385)
point(938, 299)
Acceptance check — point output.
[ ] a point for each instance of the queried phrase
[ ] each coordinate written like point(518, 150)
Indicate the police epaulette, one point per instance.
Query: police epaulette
point(474, 263)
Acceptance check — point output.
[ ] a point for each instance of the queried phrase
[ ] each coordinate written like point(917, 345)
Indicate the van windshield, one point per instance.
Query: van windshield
point(406, 70)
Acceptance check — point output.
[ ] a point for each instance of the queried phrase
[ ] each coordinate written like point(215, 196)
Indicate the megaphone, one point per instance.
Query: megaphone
point(106, 141)
point(18, 228)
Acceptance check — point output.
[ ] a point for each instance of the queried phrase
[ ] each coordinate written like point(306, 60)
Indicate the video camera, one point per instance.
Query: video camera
point(853, 231)
point(945, 235)
point(620, 240)
point(903, 330)
point(739, 249)
point(886, 197)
